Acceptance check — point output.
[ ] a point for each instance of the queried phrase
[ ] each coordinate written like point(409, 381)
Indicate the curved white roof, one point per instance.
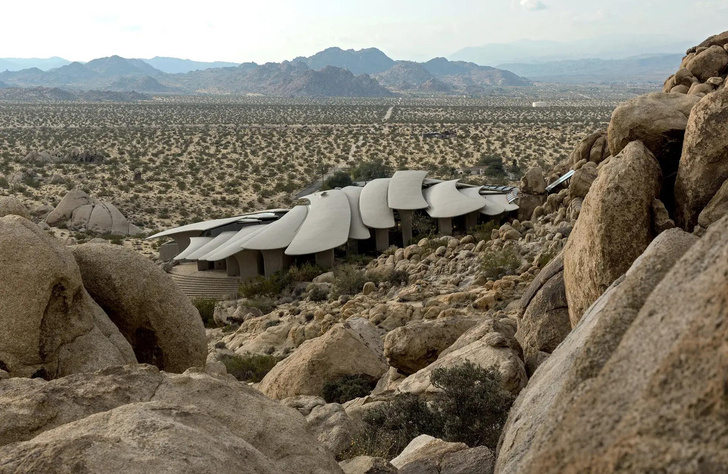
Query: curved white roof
point(405, 190)
point(501, 200)
point(279, 234)
point(490, 208)
point(201, 226)
point(374, 205)
point(326, 225)
point(232, 246)
point(445, 200)
point(357, 229)
point(195, 243)
point(213, 244)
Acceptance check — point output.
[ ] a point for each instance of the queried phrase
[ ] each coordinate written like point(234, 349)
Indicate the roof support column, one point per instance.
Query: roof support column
point(248, 262)
point(381, 239)
point(325, 259)
point(204, 265)
point(405, 217)
point(233, 268)
point(471, 220)
point(352, 247)
point(444, 225)
point(275, 260)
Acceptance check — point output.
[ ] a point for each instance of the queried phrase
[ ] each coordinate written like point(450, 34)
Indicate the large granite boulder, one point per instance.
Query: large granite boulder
point(482, 346)
point(583, 150)
point(582, 180)
point(658, 120)
point(416, 345)
point(711, 62)
point(152, 313)
point(704, 164)
point(715, 209)
point(49, 325)
point(136, 419)
point(10, 205)
point(350, 348)
point(64, 210)
point(614, 226)
point(544, 320)
point(612, 329)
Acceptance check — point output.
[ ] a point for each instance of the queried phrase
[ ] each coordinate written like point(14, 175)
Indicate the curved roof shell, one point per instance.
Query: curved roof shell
point(279, 234)
point(195, 243)
point(232, 246)
point(374, 204)
point(201, 226)
point(213, 244)
point(502, 201)
point(326, 225)
point(405, 190)
point(446, 200)
point(357, 229)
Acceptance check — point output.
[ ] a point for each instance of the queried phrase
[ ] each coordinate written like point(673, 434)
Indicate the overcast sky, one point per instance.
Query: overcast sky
point(274, 30)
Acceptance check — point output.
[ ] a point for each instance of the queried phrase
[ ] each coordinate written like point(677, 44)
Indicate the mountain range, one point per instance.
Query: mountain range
point(646, 68)
point(331, 73)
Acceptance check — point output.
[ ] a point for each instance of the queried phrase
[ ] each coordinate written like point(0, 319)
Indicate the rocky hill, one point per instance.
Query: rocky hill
point(587, 333)
point(181, 66)
point(363, 61)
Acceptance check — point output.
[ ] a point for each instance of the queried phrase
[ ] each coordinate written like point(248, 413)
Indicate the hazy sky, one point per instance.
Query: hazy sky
point(273, 30)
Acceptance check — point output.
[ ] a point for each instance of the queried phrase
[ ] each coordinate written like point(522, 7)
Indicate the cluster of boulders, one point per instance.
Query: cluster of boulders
point(79, 212)
point(703, 69)
point(103, 369)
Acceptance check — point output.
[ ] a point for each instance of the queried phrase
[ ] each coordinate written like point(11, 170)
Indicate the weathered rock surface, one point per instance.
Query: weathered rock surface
point(572, 371)
point(658, 120)
point(582, 180)
point(426, 447)
point(588, 149)
point(152, 313)
point(137, 419)
point(704, 163)
point(709, 63)
point(350, 348)
point(416, 345)
point(367, 465)
point(332, 426)
point(716, 208)
point(82, 213)
point(50, 325)
point(10, 205)
point(545, 315)
point(614, 226)
point(492, 350)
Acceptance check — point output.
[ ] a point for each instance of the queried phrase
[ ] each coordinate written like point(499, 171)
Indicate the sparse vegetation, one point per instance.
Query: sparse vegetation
point(498, 263)
point(348, 387)
point(472, 408)
point(249, 367)
point(206, 307)
point(348, 280)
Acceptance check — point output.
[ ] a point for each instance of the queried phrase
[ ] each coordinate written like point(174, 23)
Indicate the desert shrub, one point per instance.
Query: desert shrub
point(397, 277)
point(348, 387)
point(484, 231)
point(390, 427)
point(499, 263)
point(305, 272)
point(339, 179)
point(265, 286)
point(472, 408)
point(318, 293)
point(349, 280)
point(206, 307)
point(372, 169)
point(545, 257)
point(263, 303)
point(249, 367)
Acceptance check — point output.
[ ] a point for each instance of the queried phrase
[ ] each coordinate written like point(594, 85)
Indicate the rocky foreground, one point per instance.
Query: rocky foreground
point(602, 313)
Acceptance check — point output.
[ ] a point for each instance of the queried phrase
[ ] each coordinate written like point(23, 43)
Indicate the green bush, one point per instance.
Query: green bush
point(348, 387)
point(372, 169)
point(484, 231)
point(473, 405)
point(279, 282)
point(305, 272)
point(498, 263)
point(340, 179)
point(349, 280)
point(250, 367)
point(317, 294)
point(472, 408)
point(206, 307)
point(397, 277)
